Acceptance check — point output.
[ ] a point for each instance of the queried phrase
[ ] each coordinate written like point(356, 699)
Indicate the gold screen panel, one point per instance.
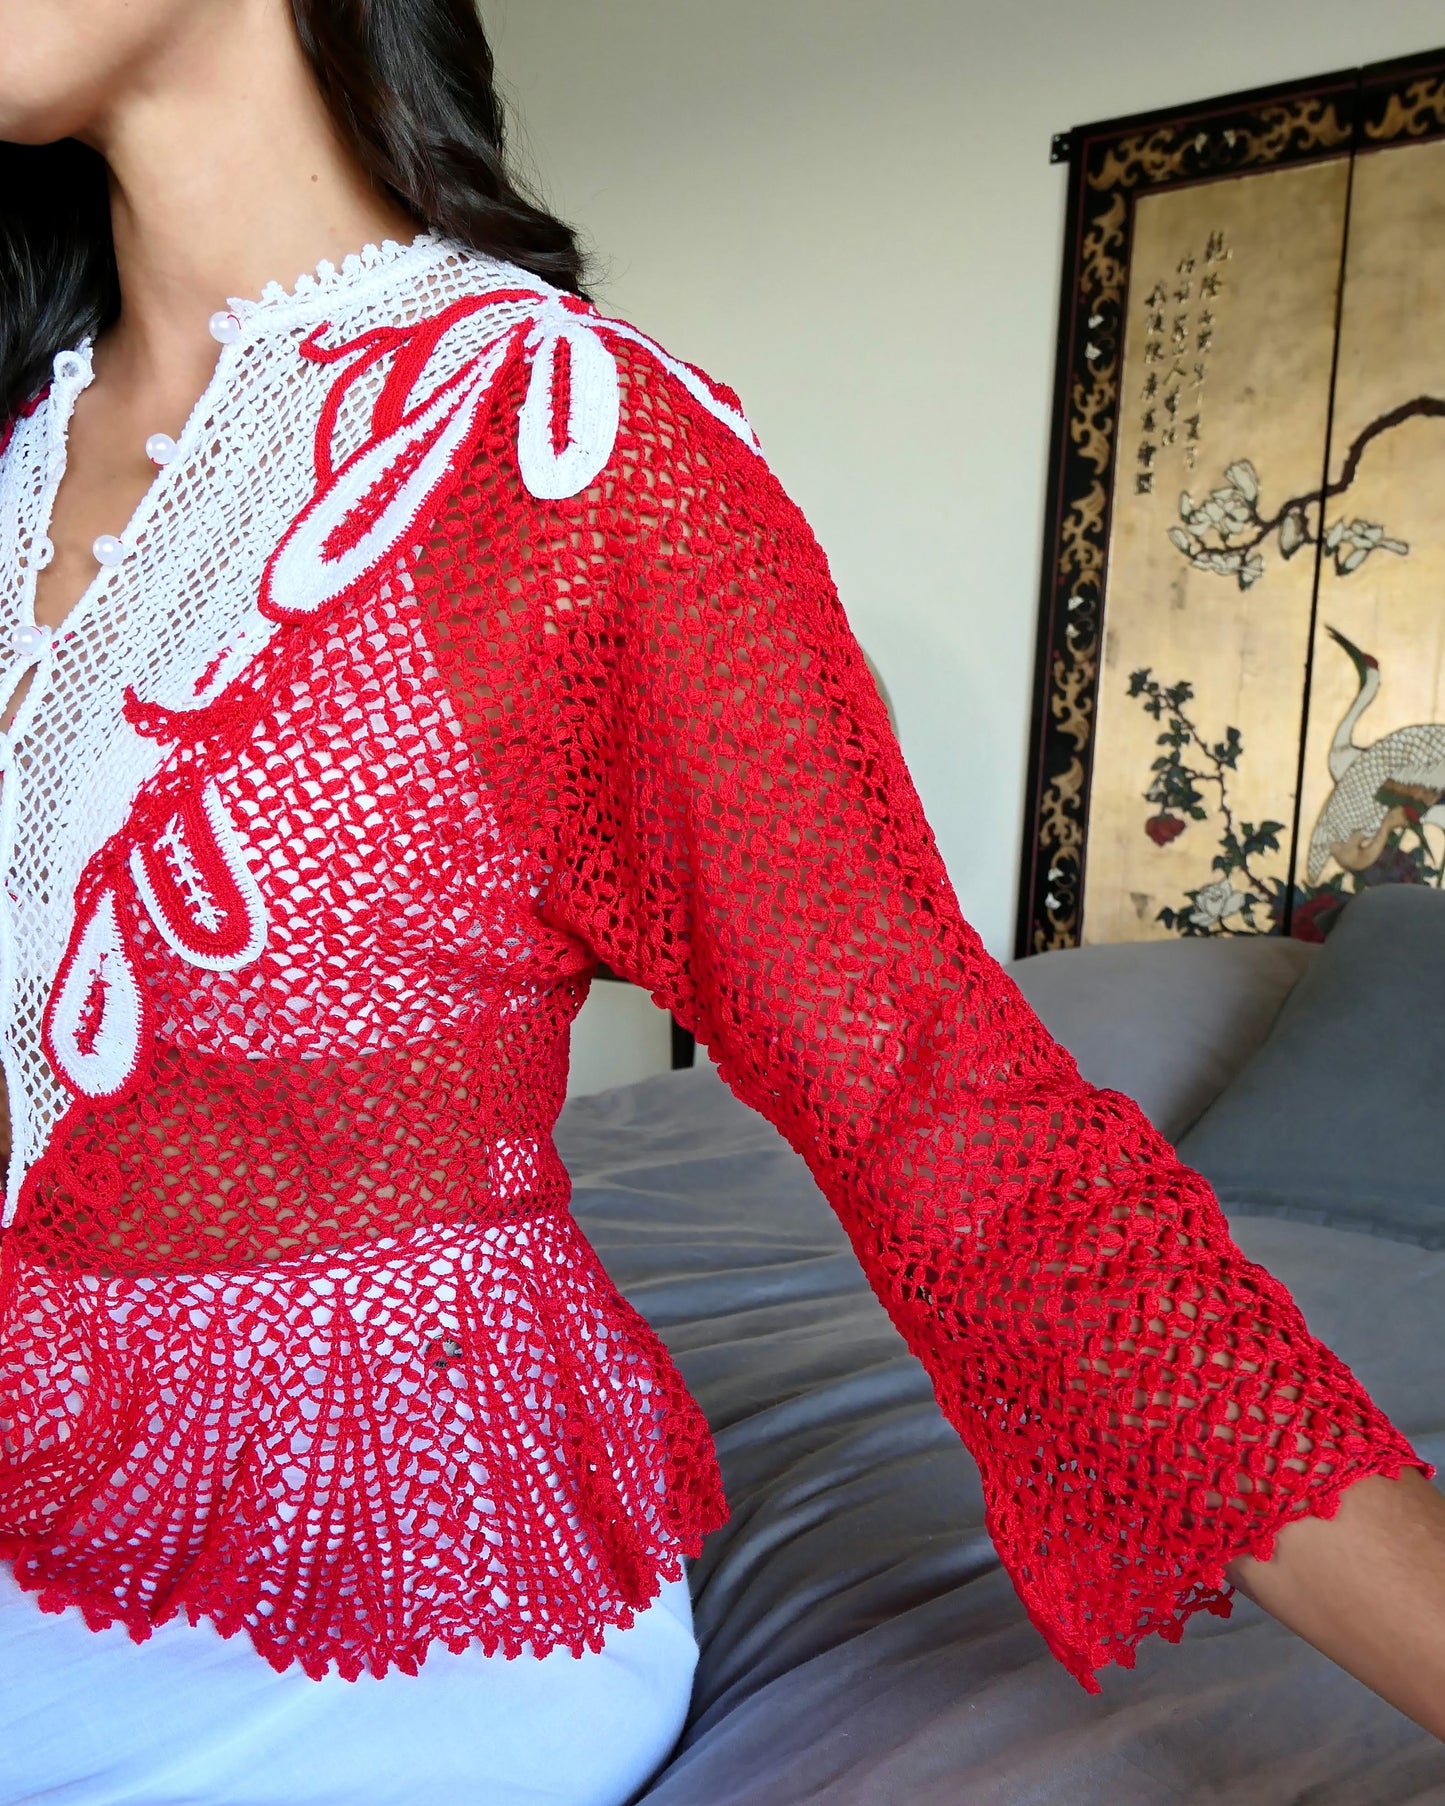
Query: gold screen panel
point(1223, 414)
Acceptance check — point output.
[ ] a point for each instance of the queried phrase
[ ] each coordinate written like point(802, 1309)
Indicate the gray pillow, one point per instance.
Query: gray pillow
point(1337, 1119)
point(861, 1644)
point(1168, 1023)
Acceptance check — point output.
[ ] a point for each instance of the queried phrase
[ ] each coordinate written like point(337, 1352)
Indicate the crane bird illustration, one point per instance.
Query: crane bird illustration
point(1398, 782)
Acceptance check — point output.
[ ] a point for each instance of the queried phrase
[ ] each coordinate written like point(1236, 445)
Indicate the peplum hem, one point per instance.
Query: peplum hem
point(464, 1436)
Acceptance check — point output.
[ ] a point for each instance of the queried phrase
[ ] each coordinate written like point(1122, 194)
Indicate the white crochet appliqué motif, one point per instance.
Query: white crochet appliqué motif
point(305, 573)
point(94, 1029)
point(199, 890)
point(593, 407)
point(593, 402)
point(566, 433)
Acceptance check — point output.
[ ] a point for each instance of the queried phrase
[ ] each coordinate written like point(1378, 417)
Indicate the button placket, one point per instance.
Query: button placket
point(10, 1074)
point(29, 640)
point(30, 644)
point(277, 315)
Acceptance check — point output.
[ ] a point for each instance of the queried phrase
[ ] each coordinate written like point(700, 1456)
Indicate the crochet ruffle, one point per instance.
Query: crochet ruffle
point(467, 1435)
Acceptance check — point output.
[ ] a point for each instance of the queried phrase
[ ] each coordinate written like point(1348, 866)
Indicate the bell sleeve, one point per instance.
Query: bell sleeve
point(739, 834)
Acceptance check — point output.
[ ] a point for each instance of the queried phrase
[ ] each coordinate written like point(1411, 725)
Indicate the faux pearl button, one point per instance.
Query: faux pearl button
point(107, 549)
point(160, 448)
point(225, 327)
point(68, 366)
point(29, 639)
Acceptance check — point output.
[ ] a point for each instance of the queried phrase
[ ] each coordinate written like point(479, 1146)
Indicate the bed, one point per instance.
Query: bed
point(860, 1641)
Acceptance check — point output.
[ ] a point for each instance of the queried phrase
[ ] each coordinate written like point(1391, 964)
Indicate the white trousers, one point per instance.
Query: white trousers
point(191, 1718)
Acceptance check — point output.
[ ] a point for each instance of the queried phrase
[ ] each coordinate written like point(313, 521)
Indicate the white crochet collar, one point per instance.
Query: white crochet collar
point(279, 308)
point(315, 287)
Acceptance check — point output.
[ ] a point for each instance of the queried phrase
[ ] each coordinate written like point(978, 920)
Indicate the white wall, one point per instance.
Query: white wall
point(845, 209)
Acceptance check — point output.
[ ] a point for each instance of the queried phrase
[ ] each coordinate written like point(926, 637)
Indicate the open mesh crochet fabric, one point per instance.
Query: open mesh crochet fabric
point(299, 1333)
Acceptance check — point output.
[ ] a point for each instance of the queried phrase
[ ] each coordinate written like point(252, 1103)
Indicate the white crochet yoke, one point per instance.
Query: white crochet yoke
point(177, 613)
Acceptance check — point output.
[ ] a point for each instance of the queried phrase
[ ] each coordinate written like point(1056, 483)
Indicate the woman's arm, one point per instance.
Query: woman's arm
point(727, 821)
point(1367, 1588)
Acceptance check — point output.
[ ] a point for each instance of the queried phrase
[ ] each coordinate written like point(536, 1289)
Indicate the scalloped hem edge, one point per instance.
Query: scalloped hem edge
point(1204, 1588)
point(101, 1610)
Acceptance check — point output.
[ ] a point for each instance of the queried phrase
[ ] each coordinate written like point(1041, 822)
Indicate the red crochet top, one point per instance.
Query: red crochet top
point(534, 664)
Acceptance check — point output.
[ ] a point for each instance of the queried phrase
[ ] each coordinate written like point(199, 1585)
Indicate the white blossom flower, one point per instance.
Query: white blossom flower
point(1371, 535)
point(1293, 532)
point(1216, 903)
point(1222, 534)
point(1227, 509)
point(1353, 544)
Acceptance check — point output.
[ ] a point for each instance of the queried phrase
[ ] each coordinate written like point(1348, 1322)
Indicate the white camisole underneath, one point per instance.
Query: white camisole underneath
point(191, 1718)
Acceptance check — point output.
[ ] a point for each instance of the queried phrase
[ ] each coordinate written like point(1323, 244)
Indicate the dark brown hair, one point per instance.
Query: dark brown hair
point(411, 87)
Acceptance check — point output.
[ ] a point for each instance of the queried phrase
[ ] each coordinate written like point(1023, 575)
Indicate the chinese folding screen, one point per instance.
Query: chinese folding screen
point(1240, 716)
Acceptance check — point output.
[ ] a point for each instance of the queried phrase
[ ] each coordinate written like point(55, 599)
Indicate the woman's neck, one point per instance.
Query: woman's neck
point(225, 173)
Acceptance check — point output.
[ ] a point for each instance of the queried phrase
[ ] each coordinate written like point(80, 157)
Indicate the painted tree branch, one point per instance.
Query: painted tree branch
point(1224, 532)
point(1430, 407)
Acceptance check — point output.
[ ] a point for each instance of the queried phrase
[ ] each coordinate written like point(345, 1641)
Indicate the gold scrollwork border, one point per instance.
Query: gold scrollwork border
point(1415, 111)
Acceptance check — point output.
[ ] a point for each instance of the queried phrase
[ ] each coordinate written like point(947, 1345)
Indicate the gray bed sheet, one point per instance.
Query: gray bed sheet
point(860, 1641)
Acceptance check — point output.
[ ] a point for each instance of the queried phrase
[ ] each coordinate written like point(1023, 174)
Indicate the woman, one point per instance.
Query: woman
point(385, 651)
